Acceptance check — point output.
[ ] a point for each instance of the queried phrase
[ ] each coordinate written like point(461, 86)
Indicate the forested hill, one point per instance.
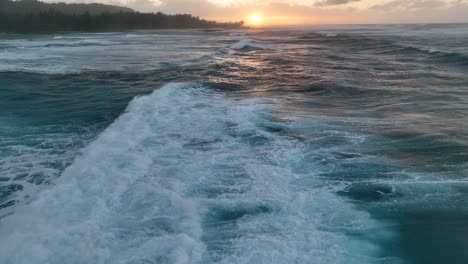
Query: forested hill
point(33, 6)
point(31, 16)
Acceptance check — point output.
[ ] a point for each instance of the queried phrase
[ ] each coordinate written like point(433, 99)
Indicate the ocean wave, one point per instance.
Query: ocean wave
point(431, 53)
point(387, 46)
point(452, 58)
point(49, 65)
point(330, 34)
point(14, 55)
point(237, 34)
point(57, 42)
point(81, 43)
point(30, 158)
point(52, 69)
point(188, 175)
point(247, 44)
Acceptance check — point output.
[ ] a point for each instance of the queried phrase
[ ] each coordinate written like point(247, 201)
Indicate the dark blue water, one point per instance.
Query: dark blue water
point(317, 145)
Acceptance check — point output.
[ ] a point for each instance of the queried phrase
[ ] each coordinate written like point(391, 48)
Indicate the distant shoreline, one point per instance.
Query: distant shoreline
point(18, 27)
point(125, 31)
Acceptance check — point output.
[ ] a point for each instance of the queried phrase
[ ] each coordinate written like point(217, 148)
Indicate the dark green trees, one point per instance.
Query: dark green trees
point(87, 19)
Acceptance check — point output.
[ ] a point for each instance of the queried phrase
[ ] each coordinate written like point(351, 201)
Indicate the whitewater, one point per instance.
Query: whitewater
point(311, 145)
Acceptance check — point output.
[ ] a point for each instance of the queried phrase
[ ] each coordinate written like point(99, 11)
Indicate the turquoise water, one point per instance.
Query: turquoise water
point(313, 145)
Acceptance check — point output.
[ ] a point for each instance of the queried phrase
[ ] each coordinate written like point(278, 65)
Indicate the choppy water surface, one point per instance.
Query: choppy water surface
point(318, 145)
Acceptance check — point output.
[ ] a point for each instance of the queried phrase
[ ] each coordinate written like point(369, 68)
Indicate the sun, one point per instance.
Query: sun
point(256, 20)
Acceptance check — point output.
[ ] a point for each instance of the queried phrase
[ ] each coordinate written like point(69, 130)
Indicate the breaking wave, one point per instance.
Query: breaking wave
point(188, 175)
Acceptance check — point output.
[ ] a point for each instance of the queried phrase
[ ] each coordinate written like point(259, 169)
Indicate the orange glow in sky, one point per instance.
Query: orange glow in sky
point(256, 20)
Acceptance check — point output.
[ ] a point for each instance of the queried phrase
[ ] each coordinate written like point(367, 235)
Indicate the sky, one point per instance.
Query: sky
point(303, 12)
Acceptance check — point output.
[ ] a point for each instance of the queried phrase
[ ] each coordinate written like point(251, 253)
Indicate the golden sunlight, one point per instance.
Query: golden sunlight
point(256, 20)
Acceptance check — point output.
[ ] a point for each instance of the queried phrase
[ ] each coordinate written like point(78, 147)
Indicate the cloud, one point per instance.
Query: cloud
point(199, 7)
point(410, 5)
point(334, 2)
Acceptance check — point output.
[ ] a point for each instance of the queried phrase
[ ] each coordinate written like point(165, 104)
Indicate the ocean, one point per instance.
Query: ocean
point(326, 144)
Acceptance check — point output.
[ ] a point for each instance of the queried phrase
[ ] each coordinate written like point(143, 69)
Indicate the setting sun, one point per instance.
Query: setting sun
point(256, 20)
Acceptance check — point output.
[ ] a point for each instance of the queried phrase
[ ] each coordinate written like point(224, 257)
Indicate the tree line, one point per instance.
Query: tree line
point(55, 20)
point(34, 6)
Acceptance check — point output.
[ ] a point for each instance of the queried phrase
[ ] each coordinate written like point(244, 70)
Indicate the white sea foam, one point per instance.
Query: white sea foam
point(134, 35)
point(187, 176)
